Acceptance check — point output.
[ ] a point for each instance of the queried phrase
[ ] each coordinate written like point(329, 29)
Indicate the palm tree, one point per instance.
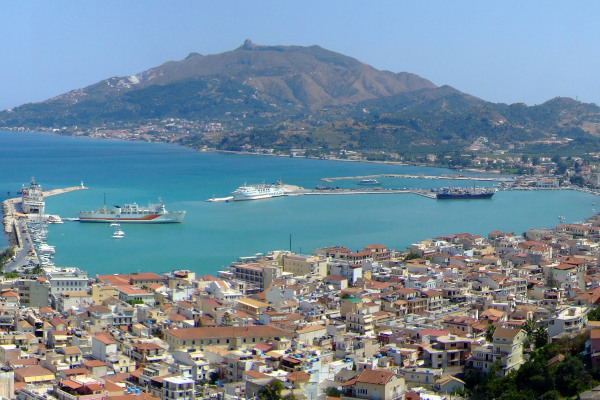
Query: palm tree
point(541, 336)
point(530, 328)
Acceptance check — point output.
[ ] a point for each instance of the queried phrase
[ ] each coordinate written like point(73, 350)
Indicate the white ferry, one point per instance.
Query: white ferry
point(33, 199)
point(257, 192)
point(132, 213)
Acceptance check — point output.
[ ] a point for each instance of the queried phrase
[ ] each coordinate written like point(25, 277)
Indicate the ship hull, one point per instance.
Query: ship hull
point(463, 196)
point(257, 192)
point(243, 197)
point(170, 218)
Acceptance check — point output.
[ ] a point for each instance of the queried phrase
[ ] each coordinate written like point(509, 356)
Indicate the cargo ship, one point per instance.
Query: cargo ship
point(132, 213)
point(465, 193)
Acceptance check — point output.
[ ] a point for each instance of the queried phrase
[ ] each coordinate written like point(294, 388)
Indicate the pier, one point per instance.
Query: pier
point(14, 220)
point(300, 191)
point(448, 177)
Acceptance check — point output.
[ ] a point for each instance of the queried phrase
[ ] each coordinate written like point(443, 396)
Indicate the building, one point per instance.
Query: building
point(178, 388)
point(256, 275)
point(374, 385)
point(569, 320)
point(229, 337)
point(34, 292)
point(132, 295)
point(352, 272)
point(66, 279)
point(301, 265)
point(507, 346)
point(447, 351)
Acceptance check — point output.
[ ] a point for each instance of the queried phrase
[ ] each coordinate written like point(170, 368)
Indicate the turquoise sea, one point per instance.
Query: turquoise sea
point(214, 234)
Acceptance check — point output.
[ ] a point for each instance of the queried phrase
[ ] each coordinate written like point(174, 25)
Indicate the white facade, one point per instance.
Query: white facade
point(178, 388)
point(568, 320)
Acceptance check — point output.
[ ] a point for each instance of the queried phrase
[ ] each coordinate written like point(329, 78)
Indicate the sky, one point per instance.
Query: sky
point(506, 51)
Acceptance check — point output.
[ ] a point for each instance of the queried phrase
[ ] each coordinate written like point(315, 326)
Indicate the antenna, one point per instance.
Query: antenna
point(290, 242)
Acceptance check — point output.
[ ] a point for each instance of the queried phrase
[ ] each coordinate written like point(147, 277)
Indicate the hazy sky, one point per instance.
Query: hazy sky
point(505, 51)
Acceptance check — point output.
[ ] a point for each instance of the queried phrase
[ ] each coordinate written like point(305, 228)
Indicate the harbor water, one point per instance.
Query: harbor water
point(215, 234)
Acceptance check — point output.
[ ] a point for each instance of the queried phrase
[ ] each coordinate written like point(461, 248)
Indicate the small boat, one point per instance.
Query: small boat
point(119, 234)
point(115, 223)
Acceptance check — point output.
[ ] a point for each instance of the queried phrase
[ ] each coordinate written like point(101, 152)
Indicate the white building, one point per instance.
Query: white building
point(66, 279)
point(568, 320)
point(178, 388)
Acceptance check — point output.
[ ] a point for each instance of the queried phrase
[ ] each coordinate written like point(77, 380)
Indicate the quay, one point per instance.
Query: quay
point(448, 177)
point(15, 221)
point(300, 191)
point(421, 192)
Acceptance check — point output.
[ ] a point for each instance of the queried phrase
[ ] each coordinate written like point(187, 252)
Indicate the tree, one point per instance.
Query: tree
point(577, 180)
point(411, 256)
point(489, 332)
point(541, 336)
point(332, 392)
point(571, 376)
point(594, 315)
point(226, 319)
point(550, 281)
point(530, 328)
point(272, 391)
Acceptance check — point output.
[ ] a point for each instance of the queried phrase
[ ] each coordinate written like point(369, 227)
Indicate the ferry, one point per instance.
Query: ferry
point(368, 182)
point(33, 198)
point(257, 192)
point(132, 213)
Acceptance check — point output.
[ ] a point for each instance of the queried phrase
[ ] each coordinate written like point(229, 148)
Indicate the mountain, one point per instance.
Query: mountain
point(293, 96)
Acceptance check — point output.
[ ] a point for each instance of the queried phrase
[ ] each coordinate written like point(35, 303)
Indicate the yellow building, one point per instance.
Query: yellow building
point(229, 337)
point(251, 306)
point(374, 384)
point(300, 265)
point(102, 292)
point(350, 305)
point(33, 374)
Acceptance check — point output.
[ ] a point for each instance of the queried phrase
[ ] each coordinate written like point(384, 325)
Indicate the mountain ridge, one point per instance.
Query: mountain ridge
point(304, 96)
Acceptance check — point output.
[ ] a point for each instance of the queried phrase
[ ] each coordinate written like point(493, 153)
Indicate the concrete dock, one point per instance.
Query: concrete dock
point(448, 177)
point(300, 191)
point(14, 221)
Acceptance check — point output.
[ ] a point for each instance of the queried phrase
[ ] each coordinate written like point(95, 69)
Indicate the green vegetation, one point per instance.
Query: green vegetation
point(7, 255)
point(542, 377)
point(411, 256)
point(272, 391)
point(277, 101)
point(333, 392)
point(134, 302)
point(594, 315)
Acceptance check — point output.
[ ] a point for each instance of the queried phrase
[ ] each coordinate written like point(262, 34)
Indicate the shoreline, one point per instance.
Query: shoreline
point(10, 215)
point(215, 150)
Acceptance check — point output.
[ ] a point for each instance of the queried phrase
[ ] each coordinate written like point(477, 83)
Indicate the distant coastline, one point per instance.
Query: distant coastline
point(252, 153)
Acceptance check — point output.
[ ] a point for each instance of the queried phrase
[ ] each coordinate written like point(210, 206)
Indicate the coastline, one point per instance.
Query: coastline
point(215, 150)
point(204, 220)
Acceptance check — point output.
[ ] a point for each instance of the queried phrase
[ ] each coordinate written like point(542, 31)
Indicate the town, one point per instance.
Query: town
point(376, 323)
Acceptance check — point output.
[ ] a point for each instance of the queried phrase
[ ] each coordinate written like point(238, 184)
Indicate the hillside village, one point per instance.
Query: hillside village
point(370, 324)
